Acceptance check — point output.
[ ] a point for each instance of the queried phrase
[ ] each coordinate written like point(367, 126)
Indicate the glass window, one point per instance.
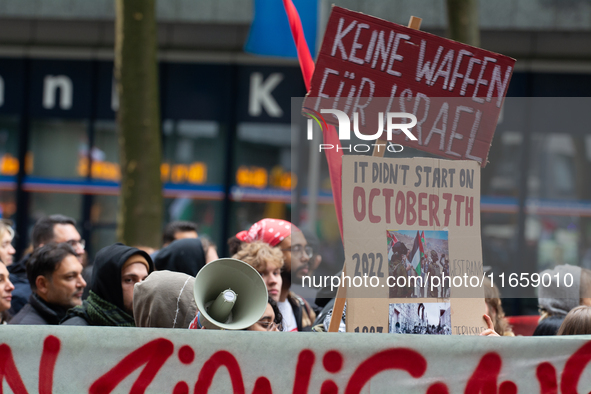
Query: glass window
point(43, 204)
point(207, 215)
point(105, 153)
point(104, 209)
point(56, 147)
point(9, 145)
point(7, 203)
point(263, 156)
point(245, 214)
point(192, 151)
point(101, 237)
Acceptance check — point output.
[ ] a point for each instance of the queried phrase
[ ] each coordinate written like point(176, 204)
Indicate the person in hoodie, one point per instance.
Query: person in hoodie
point(184, 255)
point(117, 268)
point(164, 300)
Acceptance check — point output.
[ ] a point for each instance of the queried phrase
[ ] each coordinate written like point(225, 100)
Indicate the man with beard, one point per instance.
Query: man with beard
point(54, 228)
point(55, 276)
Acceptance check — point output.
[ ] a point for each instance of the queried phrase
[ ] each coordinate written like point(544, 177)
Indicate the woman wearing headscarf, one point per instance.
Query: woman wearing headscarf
point(117, 268)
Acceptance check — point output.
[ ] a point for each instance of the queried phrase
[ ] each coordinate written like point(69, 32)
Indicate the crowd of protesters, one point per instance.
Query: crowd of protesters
point(128, 286)
point(53, 285)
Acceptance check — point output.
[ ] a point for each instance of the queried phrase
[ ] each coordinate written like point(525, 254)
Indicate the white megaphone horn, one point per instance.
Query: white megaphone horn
point(230, 295)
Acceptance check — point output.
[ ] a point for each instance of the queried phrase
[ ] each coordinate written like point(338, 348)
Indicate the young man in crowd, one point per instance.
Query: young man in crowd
point(182, 230)
point(297, 313)
point(55, 275)
point(54, 228)
point(117, 268)
point(178, 230)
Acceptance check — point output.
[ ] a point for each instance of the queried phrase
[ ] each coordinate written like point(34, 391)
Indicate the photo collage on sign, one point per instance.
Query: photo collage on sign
point(420, 318)
point(414, 259)
point(418, 257)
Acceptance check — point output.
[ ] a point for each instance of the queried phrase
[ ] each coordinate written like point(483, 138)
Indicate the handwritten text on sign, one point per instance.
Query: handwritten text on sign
point(411, 207)
point(455, 90)
point(48, 359)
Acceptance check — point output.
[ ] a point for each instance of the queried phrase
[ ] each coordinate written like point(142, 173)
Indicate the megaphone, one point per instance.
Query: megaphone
point(230, 295)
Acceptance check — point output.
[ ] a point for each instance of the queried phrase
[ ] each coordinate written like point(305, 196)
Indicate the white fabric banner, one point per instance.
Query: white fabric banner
point(49, 359)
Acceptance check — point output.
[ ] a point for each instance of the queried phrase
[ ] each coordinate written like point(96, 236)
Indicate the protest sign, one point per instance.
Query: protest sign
point(46, 359)
point(411, 229)
point(455, 91)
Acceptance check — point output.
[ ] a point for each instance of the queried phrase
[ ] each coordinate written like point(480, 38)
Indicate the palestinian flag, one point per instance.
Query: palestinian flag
point(416, 254)
point(392, 237)
point(423, 243)
point(393, 241)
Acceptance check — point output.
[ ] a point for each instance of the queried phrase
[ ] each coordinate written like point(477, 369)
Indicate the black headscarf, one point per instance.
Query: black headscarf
point(106, 274)
point(183, 255)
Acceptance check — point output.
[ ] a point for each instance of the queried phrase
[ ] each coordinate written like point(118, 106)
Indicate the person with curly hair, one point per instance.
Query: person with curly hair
point(268, 261)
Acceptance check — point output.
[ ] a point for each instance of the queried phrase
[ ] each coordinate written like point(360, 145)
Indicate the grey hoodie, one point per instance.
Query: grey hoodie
point(165, 299)
point(558, 299)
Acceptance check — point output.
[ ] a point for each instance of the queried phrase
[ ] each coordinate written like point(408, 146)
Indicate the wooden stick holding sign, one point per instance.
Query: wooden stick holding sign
point(341, 297)
point(413, 23)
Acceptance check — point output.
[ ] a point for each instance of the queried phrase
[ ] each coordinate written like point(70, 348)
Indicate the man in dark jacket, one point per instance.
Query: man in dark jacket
point(55, 276)
point(117, 268)
point(54, 228)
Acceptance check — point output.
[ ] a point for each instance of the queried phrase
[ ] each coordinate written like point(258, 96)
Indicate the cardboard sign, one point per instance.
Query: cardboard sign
point(455, 91)
point(52, 359)
point(407, 225)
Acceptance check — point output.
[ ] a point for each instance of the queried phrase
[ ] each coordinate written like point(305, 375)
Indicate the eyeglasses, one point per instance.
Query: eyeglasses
point(297, 250)
point(270, 325)
point(74, 242)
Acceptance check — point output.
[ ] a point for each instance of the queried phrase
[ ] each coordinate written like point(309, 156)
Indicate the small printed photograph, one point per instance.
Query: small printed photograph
point(420, 318)
point(414, 259)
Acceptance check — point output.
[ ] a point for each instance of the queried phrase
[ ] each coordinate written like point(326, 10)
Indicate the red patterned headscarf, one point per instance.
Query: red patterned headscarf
point(270, 231)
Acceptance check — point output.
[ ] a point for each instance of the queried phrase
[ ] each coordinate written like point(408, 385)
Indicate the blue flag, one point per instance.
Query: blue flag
point(270, 34)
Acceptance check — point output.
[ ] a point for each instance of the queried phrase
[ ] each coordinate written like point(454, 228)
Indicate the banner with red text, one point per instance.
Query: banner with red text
point(50, 359)
point(363, 58)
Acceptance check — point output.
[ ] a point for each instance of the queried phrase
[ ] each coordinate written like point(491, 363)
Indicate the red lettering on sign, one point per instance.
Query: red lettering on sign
point(181, 388)
point(333, 361)
point(262, 386)
point(154, 354)
point(303, 373)
point(220, 359)
point(484, 378)
point(329, 387)
point(51, 348)
point(405, 359)
point(546, 374)
point(8, 370)
point(573, 369)
point(438, 388)
point(359, 194)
